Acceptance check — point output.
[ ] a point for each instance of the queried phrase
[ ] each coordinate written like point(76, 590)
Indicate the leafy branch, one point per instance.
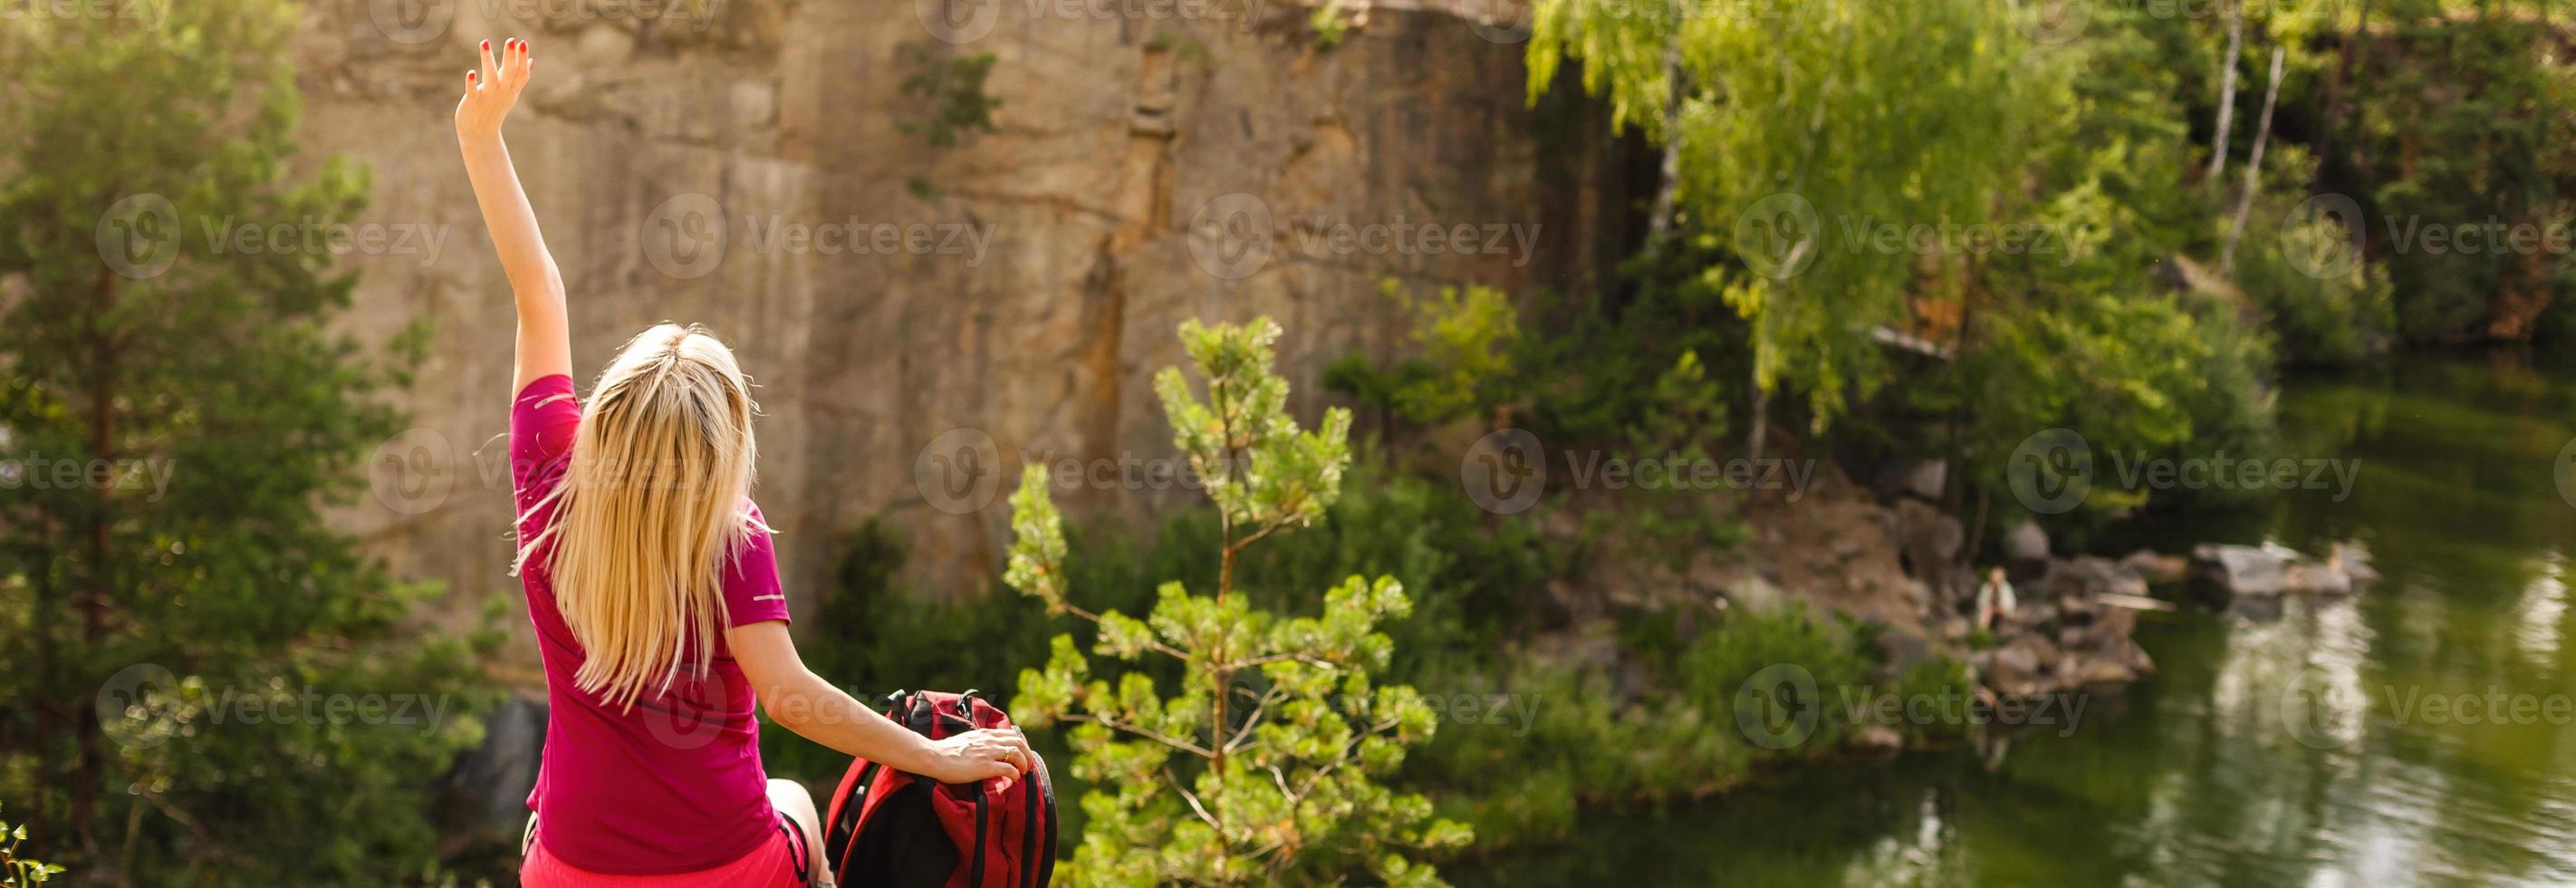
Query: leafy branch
point(1191, 790)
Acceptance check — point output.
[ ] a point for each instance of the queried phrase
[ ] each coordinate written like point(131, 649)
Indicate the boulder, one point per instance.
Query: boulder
point(485, 793)
point(1926, 478)
point(2103, 671)
point(2243, 570)
point(2026, 542)
point(2310, 578)
point(1755, 594)
point(2353, 559)
point(1879, 740)
point(2269, 570)
point(2089, 575)
point(1929, 532)
point(2017, 670)
point(1903, 649)
point(2157, 568)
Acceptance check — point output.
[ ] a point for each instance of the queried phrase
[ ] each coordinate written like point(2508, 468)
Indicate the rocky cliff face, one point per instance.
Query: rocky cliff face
point(745, 165)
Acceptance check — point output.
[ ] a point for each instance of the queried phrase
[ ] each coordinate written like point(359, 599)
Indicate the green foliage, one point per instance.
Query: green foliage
point(224, 613)
point(17, 871)
point(1941, 679)
point(1686, 411)
point(1473, 584)
point(2453, 125)
point(1788, 140)
point(1801, 133)
point(1599, 738)
point(2090, 338)
point(1331, 22)
point(1605, 353)
point(953, 87)
point(2320, 317)
point(1466, 362)
point(1286, 789)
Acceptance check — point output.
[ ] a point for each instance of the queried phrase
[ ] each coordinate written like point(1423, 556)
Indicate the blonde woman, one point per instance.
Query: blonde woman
point(654, 592)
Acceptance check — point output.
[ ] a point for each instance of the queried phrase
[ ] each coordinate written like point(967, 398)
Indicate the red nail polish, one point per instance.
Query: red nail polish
point(487, 46)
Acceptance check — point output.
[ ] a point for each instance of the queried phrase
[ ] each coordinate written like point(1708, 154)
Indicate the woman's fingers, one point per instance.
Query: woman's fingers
point(1028, 757)
point(1013, 747)
point(491, 71)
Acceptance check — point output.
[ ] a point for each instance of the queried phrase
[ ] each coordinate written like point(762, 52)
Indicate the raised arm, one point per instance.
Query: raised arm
point(797, 699)
point(545, 338)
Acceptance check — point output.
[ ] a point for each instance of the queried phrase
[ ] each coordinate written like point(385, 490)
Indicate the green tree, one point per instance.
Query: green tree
point(1283, 789)
point(1803, 129)
point(1954, 171)
point(178, 607)
point(1466, 364)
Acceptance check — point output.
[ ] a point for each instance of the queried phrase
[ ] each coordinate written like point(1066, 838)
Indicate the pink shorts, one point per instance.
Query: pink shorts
point(774, 864)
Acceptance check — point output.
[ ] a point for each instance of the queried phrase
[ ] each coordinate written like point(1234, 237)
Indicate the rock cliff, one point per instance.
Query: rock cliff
point(748, 165)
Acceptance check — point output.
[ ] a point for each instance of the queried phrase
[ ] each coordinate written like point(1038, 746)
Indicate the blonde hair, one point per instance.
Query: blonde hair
point(653, 505)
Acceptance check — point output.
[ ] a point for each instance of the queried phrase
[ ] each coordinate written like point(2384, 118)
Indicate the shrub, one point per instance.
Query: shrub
point(1284, 788)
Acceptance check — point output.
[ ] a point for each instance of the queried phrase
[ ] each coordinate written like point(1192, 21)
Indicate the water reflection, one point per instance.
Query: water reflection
point(2542, 609)
point(2343, 742)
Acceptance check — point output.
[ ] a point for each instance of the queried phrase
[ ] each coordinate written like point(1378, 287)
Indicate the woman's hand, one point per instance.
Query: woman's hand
point(536, 285)
point(980, 754)
point(491, 92)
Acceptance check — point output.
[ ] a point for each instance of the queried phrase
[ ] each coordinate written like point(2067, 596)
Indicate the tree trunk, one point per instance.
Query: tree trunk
point(1761, 413)
point(2253, 167)
point(48, 614)
point(2360, 69)
point(87, 773)
point(2226, 92)
point(1659, 225)
point(2334, 113)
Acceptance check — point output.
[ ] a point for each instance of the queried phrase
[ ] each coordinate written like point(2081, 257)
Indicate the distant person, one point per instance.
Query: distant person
point(655, 594)
point(1995, 600)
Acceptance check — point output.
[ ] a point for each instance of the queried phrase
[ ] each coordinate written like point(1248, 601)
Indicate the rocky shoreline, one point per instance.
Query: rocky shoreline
point(1886, 554)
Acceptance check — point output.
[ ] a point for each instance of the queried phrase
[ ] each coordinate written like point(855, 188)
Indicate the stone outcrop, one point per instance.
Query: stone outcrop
point(2068, 634)
point(1139, 172)
point(2248, 574)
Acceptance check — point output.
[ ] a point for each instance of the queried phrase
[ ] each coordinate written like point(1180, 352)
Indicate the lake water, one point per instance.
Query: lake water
point(2346, 742)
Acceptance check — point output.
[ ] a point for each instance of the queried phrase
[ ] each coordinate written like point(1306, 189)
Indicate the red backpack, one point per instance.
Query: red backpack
point(889, 828)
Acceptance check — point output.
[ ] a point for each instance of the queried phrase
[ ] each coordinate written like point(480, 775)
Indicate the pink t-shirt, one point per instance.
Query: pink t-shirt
point(673, 785)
